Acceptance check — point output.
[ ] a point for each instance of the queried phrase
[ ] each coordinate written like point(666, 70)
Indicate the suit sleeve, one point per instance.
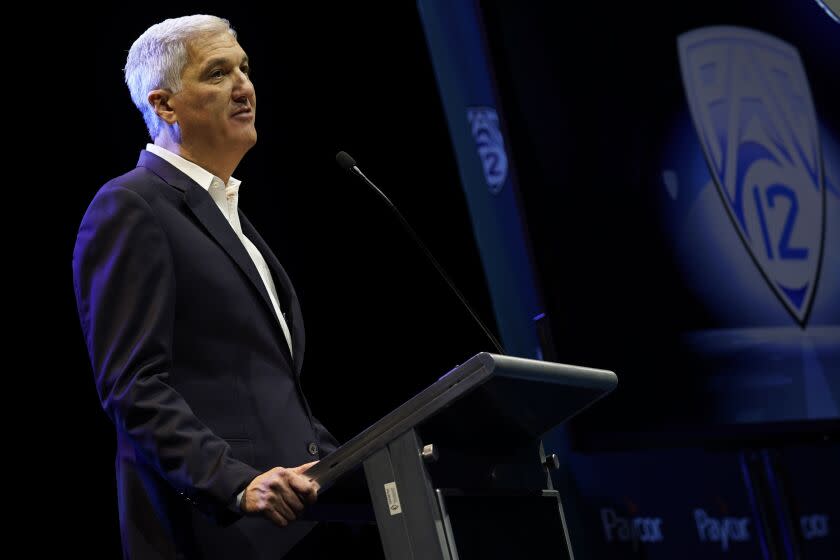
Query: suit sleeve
point(124, 281)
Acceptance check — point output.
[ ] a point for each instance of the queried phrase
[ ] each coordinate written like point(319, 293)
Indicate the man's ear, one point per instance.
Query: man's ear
point(159, 99)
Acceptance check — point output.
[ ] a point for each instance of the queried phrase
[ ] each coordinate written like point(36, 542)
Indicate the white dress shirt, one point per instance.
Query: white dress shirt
point(227, 199)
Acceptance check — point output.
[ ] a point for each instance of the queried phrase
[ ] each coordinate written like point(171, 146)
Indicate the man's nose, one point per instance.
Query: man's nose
point(243, 87)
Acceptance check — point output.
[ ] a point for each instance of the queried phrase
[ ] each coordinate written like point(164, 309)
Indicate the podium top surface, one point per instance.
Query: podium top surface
point(490, 398)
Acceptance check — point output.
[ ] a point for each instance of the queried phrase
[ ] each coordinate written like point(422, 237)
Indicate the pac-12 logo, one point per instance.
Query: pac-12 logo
point(484, 125)
point(753, 114)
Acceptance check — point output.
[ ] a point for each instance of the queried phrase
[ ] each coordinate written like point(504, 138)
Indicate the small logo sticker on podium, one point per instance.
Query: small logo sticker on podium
point(393, 498)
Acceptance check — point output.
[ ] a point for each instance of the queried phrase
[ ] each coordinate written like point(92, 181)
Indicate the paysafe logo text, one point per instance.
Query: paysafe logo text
point(814, 526)
point(722, 530)
point(631, 529)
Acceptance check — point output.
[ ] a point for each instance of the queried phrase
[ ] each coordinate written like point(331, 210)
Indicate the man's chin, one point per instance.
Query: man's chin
point(247, 141)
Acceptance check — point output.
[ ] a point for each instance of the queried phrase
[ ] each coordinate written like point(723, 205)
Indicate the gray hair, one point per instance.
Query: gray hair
point(157, 59)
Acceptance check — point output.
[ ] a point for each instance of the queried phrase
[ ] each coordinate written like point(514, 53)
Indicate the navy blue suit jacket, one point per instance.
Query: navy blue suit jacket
point(191, 365)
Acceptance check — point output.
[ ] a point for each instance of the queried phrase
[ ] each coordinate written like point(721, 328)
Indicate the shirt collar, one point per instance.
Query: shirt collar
point(192, 170)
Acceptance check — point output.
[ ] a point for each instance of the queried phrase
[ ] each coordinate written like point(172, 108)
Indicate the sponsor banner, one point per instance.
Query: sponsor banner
point(667, 504)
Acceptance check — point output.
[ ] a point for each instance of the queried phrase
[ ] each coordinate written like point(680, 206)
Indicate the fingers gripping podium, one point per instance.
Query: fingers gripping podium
point(458, 471)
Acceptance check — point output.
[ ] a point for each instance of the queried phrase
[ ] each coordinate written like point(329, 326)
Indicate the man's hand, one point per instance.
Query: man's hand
point(280, 494)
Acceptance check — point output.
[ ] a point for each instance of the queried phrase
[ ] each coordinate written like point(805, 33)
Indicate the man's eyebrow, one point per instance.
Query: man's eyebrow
point(221, 60)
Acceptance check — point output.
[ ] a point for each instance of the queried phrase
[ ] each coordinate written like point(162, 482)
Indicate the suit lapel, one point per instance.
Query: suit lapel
point(205, 210)
point(286, 292)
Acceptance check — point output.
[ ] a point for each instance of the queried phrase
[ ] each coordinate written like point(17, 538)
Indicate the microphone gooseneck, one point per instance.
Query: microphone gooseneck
point(349, 164)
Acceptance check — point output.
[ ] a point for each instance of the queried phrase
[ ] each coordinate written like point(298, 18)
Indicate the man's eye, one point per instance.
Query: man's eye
point(216, 74)
point(246, 69)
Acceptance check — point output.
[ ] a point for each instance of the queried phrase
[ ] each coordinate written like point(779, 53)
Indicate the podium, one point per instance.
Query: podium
point(459, 472)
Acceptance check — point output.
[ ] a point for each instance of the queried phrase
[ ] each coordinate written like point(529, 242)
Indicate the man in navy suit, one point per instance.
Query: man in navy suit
point(193, 328)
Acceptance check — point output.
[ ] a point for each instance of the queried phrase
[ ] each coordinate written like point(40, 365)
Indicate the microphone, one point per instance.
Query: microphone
point(349, 164)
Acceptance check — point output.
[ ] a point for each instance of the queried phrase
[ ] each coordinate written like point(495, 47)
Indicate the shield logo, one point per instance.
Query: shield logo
point(755, 119)
point(484, 124)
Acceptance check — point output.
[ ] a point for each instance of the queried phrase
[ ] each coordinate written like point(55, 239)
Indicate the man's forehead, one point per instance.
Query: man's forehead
point(217, 45)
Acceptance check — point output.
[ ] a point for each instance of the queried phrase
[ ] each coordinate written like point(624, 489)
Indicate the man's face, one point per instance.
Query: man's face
point(216, 107)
